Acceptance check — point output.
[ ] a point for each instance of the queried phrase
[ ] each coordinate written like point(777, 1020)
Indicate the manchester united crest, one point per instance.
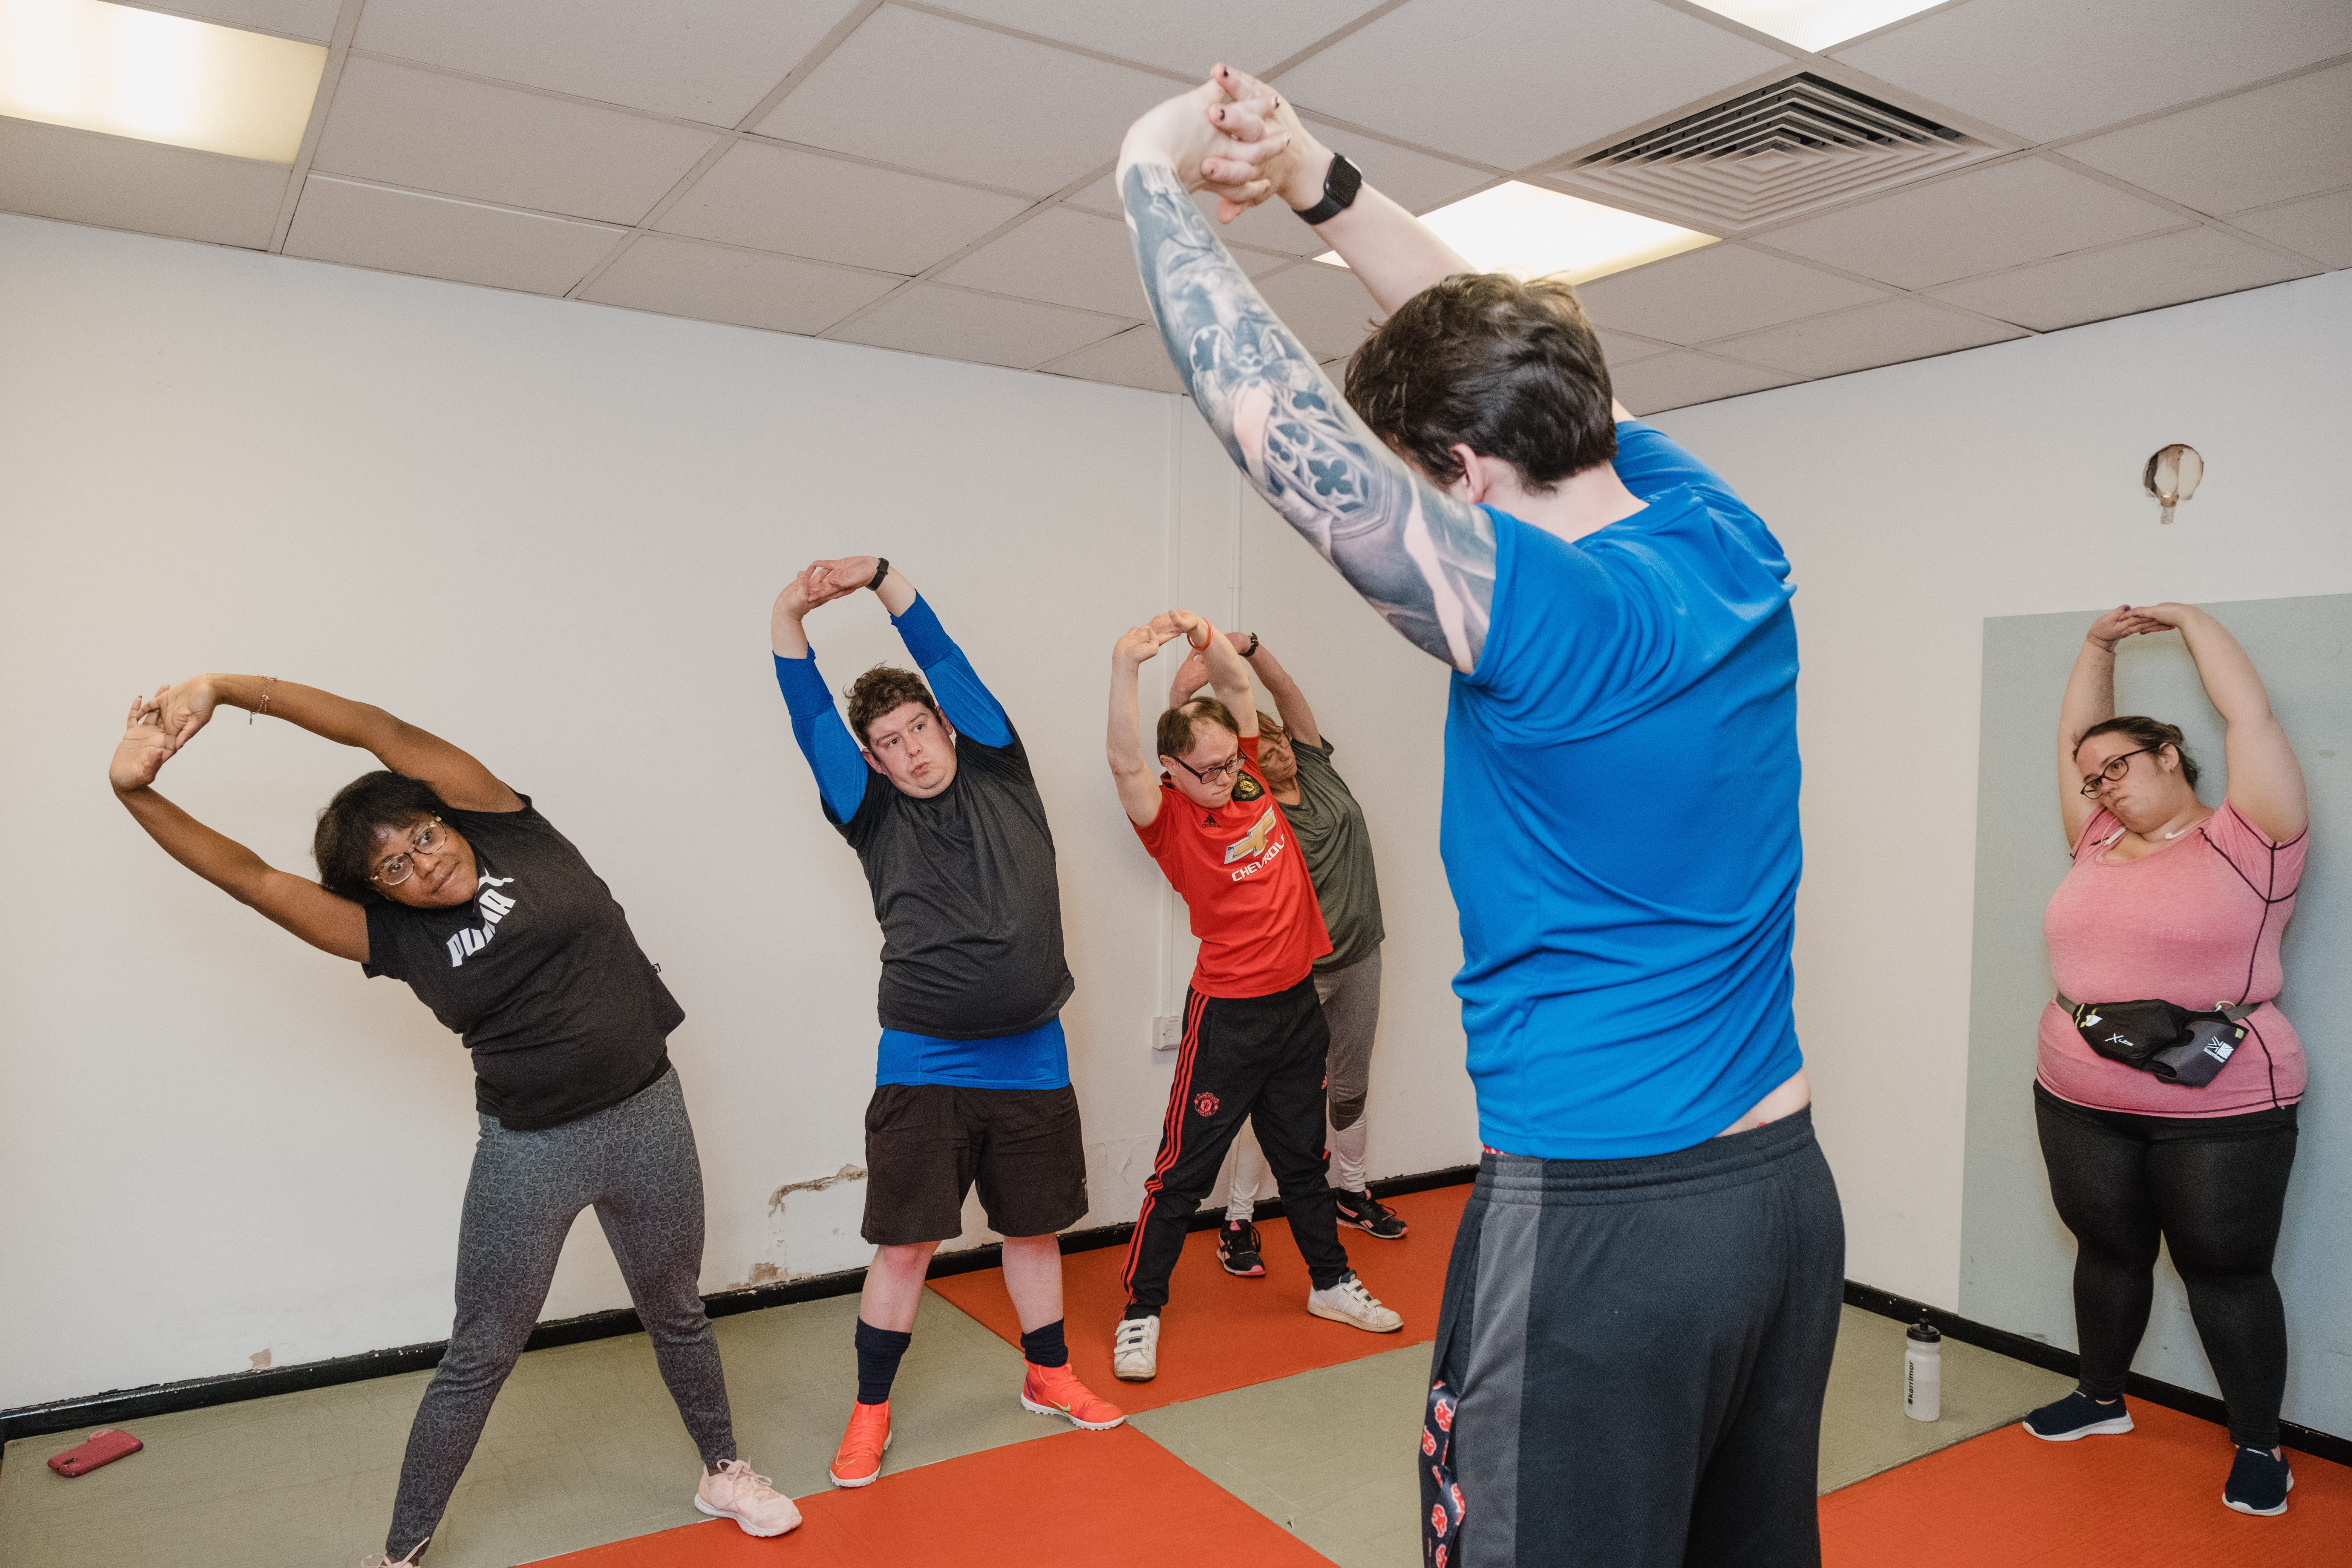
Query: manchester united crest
point(1205, 1104)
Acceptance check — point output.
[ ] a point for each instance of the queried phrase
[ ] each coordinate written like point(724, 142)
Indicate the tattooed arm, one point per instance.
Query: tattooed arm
point(1422, 559)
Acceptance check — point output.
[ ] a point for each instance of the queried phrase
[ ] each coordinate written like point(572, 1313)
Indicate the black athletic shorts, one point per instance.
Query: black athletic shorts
point(926, 1144)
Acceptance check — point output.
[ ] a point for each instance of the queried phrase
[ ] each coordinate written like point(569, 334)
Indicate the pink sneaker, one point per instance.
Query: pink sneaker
point(747, 1498)
point(380, 1561)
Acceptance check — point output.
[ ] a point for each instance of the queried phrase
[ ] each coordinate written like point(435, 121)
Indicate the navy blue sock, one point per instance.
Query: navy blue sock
point(1045, 1347)
point(878, 1351)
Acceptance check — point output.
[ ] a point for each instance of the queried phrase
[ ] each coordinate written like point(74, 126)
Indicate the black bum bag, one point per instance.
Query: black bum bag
point(2174, 1044)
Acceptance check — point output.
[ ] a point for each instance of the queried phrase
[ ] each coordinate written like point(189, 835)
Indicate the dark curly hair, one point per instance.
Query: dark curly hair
point(347, 827)
point(2152, 734)
point(883, 691)
point(1509, 368)
point(1180, 723)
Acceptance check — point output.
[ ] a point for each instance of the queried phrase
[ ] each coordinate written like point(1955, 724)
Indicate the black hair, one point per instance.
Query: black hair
point(346, 838)
point(1182, 723)
point(1509, 368)
point(2151, 734)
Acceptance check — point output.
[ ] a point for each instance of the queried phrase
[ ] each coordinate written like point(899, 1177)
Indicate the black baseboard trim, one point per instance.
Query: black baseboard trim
point(2050, 1358)
point(112, 1409)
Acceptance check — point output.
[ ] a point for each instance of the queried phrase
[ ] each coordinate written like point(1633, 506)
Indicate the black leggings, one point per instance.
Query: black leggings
point(2213, 1188)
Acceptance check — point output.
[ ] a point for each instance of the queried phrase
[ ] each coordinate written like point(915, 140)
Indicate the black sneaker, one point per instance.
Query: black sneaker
point(1238, 1249)
point(1366, 1213)
point(2078, 1416)
point(2258, 1483)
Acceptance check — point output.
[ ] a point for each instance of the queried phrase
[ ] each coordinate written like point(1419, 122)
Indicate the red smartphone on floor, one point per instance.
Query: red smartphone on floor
point(103, 1447)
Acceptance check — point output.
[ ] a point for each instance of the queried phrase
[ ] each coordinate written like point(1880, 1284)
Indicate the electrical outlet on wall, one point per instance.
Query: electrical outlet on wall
point(1167, 1032)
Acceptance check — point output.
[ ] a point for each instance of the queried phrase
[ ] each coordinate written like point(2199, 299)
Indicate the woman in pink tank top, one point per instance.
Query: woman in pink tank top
point(2175, 900)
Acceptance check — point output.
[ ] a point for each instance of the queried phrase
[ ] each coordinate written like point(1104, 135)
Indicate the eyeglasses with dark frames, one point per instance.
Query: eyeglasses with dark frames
point(1214, 772)
point(2114, 768)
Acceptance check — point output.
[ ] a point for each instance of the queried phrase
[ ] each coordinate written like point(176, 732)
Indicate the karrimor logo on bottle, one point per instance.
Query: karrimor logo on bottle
point(494, 907)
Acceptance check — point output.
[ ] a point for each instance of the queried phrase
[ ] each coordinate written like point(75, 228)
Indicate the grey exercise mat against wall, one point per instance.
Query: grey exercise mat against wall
point(2017, 1260)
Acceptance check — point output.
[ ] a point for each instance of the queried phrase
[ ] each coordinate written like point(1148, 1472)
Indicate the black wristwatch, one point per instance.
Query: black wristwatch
point(881, 570)
point(1340, 187)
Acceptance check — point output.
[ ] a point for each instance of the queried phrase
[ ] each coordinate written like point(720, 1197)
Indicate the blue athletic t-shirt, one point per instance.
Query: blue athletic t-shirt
point(1619, 824)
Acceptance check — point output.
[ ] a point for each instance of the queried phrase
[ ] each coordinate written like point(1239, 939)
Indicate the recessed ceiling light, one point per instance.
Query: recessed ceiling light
point(1816, 24)
point(155, 78)
point(1537, 233)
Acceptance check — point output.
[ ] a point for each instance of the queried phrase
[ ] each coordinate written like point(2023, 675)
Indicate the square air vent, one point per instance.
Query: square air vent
point(1770, 155)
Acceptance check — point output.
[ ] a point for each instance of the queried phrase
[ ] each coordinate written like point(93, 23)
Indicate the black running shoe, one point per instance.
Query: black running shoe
point(1238, 1249)
point(2258, 1483)
point(1366, 1213)
point(2078, 1416)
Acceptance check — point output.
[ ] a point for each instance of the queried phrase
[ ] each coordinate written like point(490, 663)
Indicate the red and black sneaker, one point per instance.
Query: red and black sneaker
point(1238, 1249)
point(1366, 1213)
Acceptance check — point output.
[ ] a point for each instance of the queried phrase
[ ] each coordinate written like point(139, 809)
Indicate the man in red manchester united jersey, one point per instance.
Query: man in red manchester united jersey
point(1254, 1034)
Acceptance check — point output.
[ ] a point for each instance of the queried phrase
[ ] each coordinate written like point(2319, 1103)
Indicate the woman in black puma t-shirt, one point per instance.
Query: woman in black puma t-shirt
point(436, 873)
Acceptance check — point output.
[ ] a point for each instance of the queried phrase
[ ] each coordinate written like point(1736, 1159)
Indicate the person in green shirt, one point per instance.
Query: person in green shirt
point(1329, 826)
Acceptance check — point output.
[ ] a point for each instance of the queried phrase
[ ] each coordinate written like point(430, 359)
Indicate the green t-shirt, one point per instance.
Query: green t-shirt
point(1331, 829)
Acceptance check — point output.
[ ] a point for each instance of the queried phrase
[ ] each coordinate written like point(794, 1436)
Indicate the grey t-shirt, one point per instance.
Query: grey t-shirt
point(1331, 833)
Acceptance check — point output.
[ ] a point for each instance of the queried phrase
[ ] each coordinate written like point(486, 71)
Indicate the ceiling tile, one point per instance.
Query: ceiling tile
point(1247, 34)
point(1325, 306)
point(952, 325)
point(1619, 348)
point(805, 204)
point(1515, 82)
point(744, 288)
point(2046, 70)
point(1977, 222)
point(435, 132)
point(1715, 292)
point(1137, 357)
point(1885, 333)
point(711, 60)
point(113, 182)
point(313, 20)
point(440, 236)
point(2139, 276)
point(2320, 226)
point(1678, 380)
point(1067, 258)
point(2268, 145)
point(950, 98)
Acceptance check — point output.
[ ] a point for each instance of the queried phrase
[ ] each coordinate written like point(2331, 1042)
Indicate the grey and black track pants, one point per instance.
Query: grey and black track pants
point(1351, 1011)
point(634, 1163)
point(1640, 1349)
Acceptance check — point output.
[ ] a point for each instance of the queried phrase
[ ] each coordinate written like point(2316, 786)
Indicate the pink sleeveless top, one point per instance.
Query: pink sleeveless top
point(2195, 923)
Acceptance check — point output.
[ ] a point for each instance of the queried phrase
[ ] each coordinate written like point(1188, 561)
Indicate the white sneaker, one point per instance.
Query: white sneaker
point(740, 1493)
point(1135, 1350)
point(1348, 1302)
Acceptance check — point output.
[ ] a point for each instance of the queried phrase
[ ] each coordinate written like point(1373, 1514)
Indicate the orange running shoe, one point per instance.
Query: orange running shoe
point(1056, 1391)
point(859, 1460)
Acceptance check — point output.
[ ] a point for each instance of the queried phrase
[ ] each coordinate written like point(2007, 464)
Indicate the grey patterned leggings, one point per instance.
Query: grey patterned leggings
point(636, 1163)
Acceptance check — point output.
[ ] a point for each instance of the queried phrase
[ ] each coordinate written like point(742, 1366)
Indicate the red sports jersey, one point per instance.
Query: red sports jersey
point(1243, 877)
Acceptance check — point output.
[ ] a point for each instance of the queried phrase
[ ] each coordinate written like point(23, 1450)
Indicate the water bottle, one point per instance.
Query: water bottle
point(1923, 1371)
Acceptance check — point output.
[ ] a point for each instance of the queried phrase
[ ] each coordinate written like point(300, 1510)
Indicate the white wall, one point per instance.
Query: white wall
point(551, 532)
point(1917, 500)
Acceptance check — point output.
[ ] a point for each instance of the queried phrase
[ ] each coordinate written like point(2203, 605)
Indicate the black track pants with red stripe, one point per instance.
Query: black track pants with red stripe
point(1260, 1057)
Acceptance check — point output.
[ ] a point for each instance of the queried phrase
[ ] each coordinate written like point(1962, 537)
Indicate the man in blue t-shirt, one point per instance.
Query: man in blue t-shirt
point(1645, 1289)
point(932, 789)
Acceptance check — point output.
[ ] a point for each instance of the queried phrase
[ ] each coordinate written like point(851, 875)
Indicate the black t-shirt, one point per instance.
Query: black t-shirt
point(970, 906)
point(563, 1010)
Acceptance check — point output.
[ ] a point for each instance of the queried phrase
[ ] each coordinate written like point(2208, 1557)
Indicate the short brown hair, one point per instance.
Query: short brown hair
point(1178, 725)
point(1509, 368)
point(882, 691)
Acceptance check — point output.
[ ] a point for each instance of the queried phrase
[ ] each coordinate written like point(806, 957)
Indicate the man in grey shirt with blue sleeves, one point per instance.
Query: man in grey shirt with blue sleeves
point(1331, 833)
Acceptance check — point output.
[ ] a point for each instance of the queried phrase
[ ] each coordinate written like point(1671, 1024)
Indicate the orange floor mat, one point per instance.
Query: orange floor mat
point(1219, 1332)
point(1081, 1500)
point(2150, 1498)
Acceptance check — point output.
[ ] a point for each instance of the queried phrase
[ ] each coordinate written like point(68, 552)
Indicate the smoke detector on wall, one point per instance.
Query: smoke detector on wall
point(1771, 153)
point(2172, 475)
